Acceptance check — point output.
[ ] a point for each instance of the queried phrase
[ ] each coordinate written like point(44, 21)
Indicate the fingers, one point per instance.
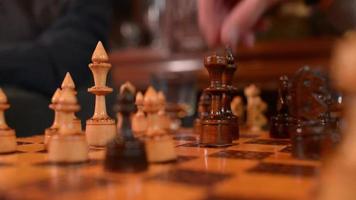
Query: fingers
point(209, 30)
point(211, 14)
point(239, 23)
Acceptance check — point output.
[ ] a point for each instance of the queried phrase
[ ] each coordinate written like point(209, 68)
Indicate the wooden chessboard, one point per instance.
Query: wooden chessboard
point(252, 168)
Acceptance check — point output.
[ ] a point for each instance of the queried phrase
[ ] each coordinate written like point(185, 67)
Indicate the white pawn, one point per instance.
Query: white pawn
point(69, 83)
point(255, 109)
point(139, 121)
point(49, 132)
point(7, 135)
point(69, 145)
point(151, 106)
point(160, 148)
point(337, 178)
point(159, 145)
point(237, 108)
point(163, 119)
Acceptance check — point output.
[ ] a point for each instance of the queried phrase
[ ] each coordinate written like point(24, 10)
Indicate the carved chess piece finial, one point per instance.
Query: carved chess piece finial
point(100, 128)
point(7, 135)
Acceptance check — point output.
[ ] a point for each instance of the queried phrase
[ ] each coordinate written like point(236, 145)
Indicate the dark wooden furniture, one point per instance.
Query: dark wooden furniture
point(263, 64)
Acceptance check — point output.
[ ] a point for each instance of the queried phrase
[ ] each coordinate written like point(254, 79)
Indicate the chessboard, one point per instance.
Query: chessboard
point(252, 167)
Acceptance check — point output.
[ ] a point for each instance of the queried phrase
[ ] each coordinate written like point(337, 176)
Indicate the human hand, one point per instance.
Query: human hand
point(230, 21)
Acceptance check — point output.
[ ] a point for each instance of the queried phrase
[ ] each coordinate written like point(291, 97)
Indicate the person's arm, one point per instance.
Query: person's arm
point(65, 46)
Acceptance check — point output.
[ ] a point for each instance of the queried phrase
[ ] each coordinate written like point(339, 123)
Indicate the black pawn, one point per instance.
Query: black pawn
point(282, 122)
point(125, 153)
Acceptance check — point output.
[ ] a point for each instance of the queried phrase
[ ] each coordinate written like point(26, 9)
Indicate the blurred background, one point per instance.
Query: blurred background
point(151, 42)
point(158, 42)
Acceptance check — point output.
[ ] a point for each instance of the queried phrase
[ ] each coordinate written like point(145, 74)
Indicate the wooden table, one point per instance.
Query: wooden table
point(252, 168)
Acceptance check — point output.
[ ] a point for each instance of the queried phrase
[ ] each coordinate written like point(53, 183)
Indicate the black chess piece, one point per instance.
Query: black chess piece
point(282, 121)
point(314, 132)
point(216, 128)
point(309, 95)
point(227, 81)
point(203, 112)
point(125, 152)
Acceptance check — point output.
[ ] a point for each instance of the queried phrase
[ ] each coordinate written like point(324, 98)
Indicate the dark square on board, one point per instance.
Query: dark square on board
point(190, 177)
point(235, 154)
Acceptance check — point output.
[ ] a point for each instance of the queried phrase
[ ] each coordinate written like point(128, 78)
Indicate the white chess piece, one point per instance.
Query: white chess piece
point(69, 145)
point(139, 121)
point(151, 107)
point(69, 83)
point(7, 135)
point(159, 145)
point(53, 129)
point(100, 129)
point(255, 109)
point(163, 118)
point(337, 178)
point(237, 108)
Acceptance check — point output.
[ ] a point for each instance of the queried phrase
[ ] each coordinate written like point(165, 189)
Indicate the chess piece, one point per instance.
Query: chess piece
point(160, 148)
point(53, 129)
point(203, 112)
point(238, 109)
point(255, 109)
point(69, 145)
point(125, 152)
point(7, 135)
point(310, 96)
point(139, 121)
point(216, 127)
point(337, 178)
point(281, 122)
point(227, 80)
point(100, 128)
point(151, 106)
point(69, 83)
point(341, 67)
point(309, 107)
point(163, 118)
point(156, 137)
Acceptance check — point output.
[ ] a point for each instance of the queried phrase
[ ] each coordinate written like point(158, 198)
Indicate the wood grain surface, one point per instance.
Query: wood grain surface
point(254, 167)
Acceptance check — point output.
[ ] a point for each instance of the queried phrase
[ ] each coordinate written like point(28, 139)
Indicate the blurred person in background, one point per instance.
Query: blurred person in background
point(39, 42)
point(230, 22)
